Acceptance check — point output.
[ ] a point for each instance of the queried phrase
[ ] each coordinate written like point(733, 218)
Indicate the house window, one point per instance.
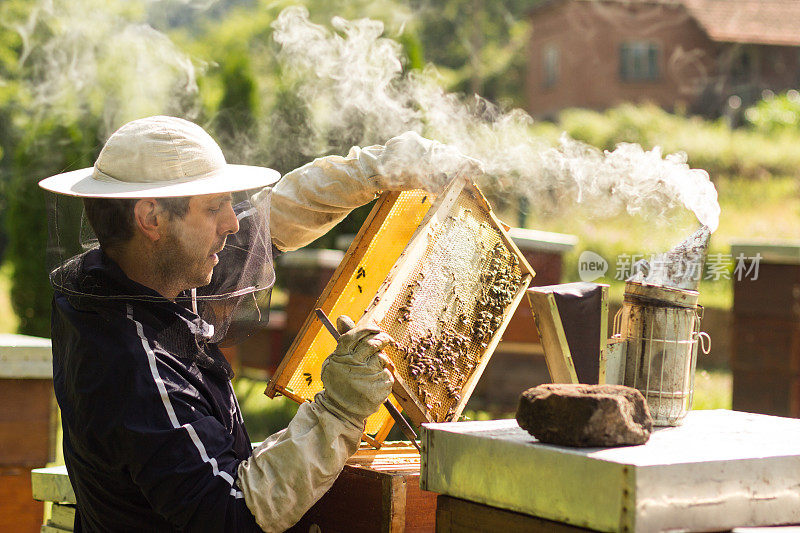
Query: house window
point(638, 61)
point(743, 66)
point(550, 65)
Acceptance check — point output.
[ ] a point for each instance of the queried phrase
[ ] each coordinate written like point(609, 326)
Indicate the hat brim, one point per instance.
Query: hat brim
point(232, 178)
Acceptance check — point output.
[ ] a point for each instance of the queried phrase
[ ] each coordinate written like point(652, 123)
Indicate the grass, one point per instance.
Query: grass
point(8, 319)
point(713, 389)
point(263, 416)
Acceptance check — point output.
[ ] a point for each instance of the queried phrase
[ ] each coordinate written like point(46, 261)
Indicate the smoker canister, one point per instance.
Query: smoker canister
point(661, 328)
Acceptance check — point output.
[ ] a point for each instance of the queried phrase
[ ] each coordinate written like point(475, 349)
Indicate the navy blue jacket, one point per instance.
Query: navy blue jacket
point(153, 434)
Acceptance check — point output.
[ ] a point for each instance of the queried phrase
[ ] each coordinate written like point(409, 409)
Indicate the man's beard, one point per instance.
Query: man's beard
point(181, 265)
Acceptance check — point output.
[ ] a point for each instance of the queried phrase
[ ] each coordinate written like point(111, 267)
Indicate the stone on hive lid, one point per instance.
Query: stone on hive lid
point(585, 415)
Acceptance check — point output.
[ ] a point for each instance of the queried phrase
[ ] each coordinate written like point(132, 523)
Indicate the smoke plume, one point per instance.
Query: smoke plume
point(354, 87)
point(99, 59)
point(91, 58)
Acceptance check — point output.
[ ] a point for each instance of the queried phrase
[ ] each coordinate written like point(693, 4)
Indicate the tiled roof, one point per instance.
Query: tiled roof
point(748, 21)
point(774, 22)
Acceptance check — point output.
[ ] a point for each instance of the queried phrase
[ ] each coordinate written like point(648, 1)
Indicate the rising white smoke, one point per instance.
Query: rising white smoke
point(353, 83)
point(102, 59)
point(105, 60)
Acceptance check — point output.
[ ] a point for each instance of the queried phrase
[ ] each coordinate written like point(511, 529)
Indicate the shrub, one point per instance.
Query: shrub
point(262, 416)
point(778, 114)
point(710, 144)
point(47, 150)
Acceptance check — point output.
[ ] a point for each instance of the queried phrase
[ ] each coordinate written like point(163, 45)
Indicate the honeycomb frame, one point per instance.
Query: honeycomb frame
point(388, 259)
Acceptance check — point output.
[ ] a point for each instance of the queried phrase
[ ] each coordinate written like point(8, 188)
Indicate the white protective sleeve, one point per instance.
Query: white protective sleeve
point(292, 469)
point(307, 202)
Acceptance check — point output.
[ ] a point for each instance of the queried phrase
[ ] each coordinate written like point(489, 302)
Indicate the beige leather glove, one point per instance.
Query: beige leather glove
point(292, 469)
point(354, 378)
point(309, 201)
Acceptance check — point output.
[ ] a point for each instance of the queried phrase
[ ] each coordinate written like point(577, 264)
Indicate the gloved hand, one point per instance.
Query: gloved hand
point(293, 468)
point(354, 378)
point(410, 161)
point(309, 201)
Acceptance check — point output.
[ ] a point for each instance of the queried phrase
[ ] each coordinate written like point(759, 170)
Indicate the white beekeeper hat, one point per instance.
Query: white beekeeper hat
point(159, 157)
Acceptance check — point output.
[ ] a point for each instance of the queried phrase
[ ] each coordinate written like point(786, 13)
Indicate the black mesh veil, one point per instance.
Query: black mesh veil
point(235, 301)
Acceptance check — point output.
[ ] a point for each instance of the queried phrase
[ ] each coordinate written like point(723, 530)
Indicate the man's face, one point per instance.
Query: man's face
point(188, 251)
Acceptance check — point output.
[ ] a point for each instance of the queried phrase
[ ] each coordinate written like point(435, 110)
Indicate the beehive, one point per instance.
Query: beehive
point(443, 279)
point(380, 490)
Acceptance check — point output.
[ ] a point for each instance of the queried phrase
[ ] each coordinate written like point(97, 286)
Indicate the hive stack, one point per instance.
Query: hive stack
point(26, 426)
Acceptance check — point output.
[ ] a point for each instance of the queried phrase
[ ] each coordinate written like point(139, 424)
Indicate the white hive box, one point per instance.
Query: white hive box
point(25, 357)
point(719, 470)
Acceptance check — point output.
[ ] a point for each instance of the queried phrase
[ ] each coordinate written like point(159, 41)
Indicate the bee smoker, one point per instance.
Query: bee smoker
point(654, 348)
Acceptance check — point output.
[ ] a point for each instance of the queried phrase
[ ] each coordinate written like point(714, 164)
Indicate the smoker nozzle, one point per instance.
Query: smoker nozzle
point(680, 268)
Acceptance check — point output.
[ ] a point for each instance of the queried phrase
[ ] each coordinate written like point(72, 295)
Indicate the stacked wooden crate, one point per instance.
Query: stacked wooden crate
point(26, 426)
point(52, 485)
point(378, 490)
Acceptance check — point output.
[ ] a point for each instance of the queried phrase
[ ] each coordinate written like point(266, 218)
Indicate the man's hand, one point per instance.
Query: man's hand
point(293, 468)
point(355, 380)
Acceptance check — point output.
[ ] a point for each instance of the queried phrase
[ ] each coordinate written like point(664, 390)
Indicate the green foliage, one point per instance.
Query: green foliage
point(8, 318)
point(48, 149)
point(778, 114)
point(712, 390)
point(710, 145)
point(238, 108)
point(479, 45)
point(263, 416)
point(414, 50)
point(10, 94)
point(288, 127)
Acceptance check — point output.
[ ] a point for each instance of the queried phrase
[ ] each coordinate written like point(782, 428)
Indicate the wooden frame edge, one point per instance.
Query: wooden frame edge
point(601, 376)
point(469, 386)
point(303, 339)
point(559, 365)
point(504, 236)
point(386, 293)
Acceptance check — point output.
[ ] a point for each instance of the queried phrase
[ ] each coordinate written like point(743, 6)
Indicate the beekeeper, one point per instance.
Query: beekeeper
point(153, 435)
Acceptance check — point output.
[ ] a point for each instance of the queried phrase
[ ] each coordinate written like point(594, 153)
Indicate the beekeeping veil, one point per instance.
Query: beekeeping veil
point(164, 158)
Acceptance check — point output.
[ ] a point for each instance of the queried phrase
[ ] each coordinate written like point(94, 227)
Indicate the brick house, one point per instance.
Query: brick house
point(687, 54)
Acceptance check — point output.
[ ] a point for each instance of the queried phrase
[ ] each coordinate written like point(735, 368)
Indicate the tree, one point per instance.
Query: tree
point(236, 116)
point(10, 96)
point(479, 44)
point(47, 149)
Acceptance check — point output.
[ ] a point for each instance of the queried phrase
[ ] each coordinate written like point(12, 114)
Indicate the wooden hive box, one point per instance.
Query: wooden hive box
point(27, 426)
point(454, 515)
point(378, 490)
point(442, 278)
point(53, 485)
point(718, 470)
